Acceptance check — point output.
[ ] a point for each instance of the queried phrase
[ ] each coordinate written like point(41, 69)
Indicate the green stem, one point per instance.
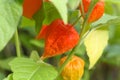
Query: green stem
point(66, 61)
point(77, 20)
point(82, 8)
point(90, 9)
point(17, 44)
point(70, 55)
point(80, 40)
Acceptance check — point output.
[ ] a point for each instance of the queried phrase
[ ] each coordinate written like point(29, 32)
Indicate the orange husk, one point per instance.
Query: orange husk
point(30, 7)
point(59, 38)
point(97, 12)
point(42, 33)
point(74, 69)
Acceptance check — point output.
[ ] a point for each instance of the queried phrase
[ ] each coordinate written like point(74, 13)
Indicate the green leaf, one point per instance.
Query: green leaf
point(20, 1)
point(51, 13)
point(80, 50)
point(10, 77)
point(39, 17)
point(37, 43)
point(27, 69)
point(61, 6)
point(4, 63)
point(27, 22)
point(10, 13)
point(95, 43)
point(73, 15)
point(73, 4)
point(34, 55)
point(106, 20)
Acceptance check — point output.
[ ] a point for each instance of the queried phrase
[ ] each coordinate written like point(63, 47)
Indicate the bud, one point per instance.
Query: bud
point(59, 38)
point(74, 69)
point(97, 12)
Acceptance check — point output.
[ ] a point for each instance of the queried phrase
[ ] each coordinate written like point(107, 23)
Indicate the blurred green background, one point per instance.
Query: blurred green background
point(107, 68)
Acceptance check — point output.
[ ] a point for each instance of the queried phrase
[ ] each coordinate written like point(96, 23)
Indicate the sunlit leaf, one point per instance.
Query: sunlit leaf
point(73, 4)
point(10, 13)
point(61, 6)
point(95, 43)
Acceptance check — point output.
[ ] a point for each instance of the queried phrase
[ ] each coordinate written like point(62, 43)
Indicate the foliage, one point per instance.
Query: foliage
point(9, 20)
point(98, 46)
point(28, 69)
point(95, 43)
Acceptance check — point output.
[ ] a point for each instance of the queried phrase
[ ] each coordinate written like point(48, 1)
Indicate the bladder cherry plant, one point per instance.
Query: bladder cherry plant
point(59, 38)
point(97, 11)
